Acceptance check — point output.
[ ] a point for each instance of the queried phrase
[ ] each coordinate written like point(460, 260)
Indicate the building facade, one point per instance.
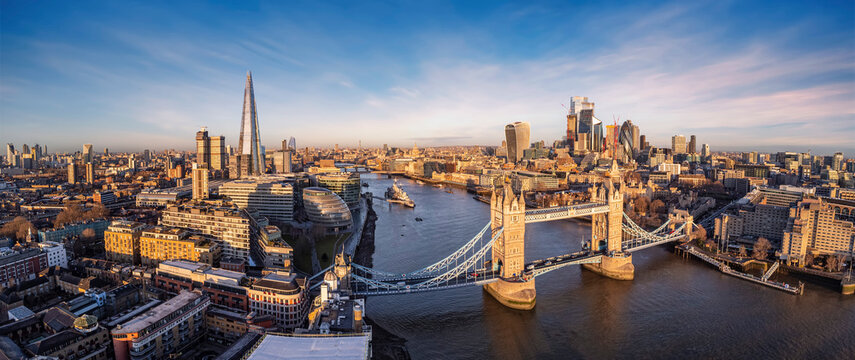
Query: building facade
point(325, 209)
point(346, 185)
point(283, 296)
point(270, 196)
point(169, 328)
point(229, 226)
point(122, 241)
point(517, 136)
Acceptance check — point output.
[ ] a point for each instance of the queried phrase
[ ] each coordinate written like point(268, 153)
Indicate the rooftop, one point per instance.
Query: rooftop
point(304, 347)
point(158, 313)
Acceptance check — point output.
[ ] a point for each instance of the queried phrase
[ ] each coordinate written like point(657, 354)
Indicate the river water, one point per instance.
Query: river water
point(674, 308)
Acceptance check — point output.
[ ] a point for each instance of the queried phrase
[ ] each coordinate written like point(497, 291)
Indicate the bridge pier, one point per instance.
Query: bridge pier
point(520, 295)
point(618, 267)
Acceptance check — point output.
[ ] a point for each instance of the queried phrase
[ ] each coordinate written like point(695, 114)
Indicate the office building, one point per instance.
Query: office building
point(678, 144)
point(169, 328)
point(210, 151)
point(234, 228)
point(282, 295)
point(822, 226)
point(271, 196)
point(346, 185)
point(122, 241)
point(200, 183)
point(593, 128)
point(837, 161)
point(250, 136)
point(75, 229)
point(749, 157)
point(327, 210)
point(692, 145)
point(628, 142)
point(160, 243)
point(517, 136)
point(87, 154)
point(705, 150)
point(10, 154)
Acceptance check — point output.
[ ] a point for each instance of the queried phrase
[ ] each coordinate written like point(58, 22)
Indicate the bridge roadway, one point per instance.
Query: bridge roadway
point(565, 212)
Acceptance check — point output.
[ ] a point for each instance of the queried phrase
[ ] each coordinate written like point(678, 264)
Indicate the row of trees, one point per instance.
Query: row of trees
point(76, 213)
point(17, 228)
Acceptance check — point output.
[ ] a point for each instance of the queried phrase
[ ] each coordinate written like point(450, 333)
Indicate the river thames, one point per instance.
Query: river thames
point(674, 308)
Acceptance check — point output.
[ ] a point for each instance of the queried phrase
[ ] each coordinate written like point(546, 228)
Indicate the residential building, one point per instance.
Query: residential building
point(229, 226)
point(21, 265)
point(200, 184)
point(169, 328)
point(160, 243)
point(122, 241)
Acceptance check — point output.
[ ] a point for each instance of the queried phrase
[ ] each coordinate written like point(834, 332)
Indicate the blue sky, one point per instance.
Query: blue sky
point(132, 75)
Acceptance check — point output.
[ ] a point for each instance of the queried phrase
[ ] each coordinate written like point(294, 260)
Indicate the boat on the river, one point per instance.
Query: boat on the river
point(395, 194)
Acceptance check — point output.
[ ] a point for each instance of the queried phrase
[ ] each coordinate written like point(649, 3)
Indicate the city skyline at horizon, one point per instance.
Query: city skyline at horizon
point(454, 80)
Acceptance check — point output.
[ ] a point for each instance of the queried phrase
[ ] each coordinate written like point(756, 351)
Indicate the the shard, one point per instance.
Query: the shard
point(250, 138)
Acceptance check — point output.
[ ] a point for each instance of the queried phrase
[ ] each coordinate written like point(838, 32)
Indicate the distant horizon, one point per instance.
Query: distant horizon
point(751, 76)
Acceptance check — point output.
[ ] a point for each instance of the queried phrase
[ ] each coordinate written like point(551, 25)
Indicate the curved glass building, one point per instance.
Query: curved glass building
point(626, 141)
point(518, 136)
point(326, 209)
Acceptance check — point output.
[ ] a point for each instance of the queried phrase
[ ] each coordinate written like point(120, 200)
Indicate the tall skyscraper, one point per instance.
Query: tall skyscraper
point(518, 136)
point(72, 173)
point(692, 145)
point(292, 143)
point(250, 137)
point(589, 124)
point(10, 154)
point(642, 141)
point(87, 153)
point(678, 144)
point(705, 150)
point(90, 173)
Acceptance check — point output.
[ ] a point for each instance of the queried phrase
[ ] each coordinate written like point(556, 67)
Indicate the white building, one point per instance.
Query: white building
point(55, 254)
point(269, 195)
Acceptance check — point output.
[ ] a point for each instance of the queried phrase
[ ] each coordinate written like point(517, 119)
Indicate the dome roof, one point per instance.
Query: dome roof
point(85, 322)
point(330, 276)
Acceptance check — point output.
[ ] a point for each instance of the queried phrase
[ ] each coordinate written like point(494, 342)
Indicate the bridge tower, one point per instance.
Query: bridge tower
point(607, 230)
point(680, 216)
point(507, 212)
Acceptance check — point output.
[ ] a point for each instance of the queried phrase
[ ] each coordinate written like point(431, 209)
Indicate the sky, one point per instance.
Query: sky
point(740, 75)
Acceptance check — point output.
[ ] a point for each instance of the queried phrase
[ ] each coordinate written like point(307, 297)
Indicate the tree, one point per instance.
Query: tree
point(97, 212)
point(809, 257)
point(641, 204)
point(761, 249)
point(71, 214)
point(742, 251)
point(88, 234)
point(657, 206)
point(17, 228)
point(700, 234)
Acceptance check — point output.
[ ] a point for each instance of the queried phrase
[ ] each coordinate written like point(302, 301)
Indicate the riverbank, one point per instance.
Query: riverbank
point(385, 345)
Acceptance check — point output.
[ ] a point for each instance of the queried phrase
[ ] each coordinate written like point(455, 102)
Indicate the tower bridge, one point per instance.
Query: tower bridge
point(497, 262)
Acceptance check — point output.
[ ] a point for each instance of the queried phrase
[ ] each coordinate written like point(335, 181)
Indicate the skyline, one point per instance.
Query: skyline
point(448, 75)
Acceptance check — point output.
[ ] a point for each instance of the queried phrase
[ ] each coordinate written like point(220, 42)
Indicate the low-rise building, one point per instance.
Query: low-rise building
point(224, 287)
point(21, 265)
point(325, 209)
point(169, 328)
point(56, 254)
point(284, 296)
point(76, 229)
point(823, 226)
